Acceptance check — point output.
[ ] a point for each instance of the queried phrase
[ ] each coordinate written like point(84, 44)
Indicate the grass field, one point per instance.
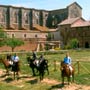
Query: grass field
point(32, 83)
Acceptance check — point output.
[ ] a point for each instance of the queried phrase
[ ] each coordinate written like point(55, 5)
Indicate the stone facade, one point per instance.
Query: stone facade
point(3, 17)
point(19, 18)
point(74, 11)
point(24, 18)
point(75, 28)
point(29, 23)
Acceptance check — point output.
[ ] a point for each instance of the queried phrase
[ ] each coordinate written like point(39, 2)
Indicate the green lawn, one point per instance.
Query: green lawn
point(82, 78)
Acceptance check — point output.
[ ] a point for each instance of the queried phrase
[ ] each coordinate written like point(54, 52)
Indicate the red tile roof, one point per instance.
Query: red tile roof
point(69, 21)
point(75, 22)
point(81, 24)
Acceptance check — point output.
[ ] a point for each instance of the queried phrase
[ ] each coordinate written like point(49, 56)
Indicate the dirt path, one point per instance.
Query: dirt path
point(66, 87)
point(51, 82)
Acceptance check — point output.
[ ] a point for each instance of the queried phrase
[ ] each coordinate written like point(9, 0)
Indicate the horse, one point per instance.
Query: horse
point(9, 65)
point(66, 72)
point(32, 65)
point(6, 64)
point(39, 65)
point(43, 65)
point(16, 69)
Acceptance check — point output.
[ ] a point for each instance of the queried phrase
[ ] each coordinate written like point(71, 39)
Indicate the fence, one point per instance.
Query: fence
point(76, 63)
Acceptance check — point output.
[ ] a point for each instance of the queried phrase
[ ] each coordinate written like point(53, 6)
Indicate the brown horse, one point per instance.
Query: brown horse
point(15, 67)
point(66, 72)
point(6, 65)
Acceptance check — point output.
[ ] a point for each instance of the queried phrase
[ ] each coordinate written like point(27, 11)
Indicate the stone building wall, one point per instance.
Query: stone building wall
point(24, 18)
point(14, 17)
point(56, 16)
point(44, 17)
point(3, 16)
point(81, 33)
point(74, 11)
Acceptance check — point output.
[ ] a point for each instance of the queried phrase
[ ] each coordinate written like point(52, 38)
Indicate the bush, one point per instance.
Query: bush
point(57, 48)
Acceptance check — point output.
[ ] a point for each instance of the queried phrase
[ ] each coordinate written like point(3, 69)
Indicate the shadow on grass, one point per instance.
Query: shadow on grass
point(8, 80)
point(56, 87)
point(34, 81)
point(2, 76)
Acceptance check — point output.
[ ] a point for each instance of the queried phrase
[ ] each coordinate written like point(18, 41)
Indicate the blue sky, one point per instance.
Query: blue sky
point(50, 5)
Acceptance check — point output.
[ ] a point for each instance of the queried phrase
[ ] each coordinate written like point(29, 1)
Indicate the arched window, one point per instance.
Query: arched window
point(25, 35)
point(13, 35)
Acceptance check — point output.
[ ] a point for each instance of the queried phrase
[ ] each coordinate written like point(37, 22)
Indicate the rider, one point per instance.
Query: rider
point(9, 57)
point(41, 58)
point(34, 55)
point(67, 60)
point(15, 58)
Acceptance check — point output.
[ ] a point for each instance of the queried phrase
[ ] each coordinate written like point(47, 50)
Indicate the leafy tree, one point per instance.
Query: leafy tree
point(14, 42)
point(3, 36)
point(74, 43)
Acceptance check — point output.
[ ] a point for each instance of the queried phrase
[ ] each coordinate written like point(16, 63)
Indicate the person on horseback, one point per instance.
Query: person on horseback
point(15, 58)
point(34, 55)
point(9, 59)
point(41, 58)
point(67, 61)
point(16, 65)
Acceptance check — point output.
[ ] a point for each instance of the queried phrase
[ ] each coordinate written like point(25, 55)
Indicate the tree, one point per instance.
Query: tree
point(3, 36)
point(74, 43)
point(14, 42)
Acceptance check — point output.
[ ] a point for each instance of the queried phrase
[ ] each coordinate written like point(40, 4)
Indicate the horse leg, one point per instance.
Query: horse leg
point(73, 77)
point(33, 71)
point(68, 78)
point(7, 72)
point(17, 73)
point(14, 75)
point(62, 80)
point(41, 76)
point(47, 70)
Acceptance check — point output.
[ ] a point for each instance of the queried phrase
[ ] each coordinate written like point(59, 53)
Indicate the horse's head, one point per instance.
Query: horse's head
point(1, 60)
point(64, 66)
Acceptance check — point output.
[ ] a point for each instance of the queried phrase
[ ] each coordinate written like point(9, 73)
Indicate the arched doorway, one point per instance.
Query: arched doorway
point(86, 45)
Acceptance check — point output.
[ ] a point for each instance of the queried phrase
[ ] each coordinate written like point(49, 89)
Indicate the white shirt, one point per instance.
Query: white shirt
point(16, 59)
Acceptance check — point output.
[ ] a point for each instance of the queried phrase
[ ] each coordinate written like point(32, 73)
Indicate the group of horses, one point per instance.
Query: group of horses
point(40, 67)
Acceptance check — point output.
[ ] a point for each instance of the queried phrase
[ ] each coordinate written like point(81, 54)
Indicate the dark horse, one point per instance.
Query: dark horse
point(43, 65)
point(15, 67)
point(40, 66)
point(66, 72)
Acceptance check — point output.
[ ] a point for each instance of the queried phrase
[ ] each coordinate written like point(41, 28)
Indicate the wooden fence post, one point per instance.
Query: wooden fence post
point(54, 65)
point(78, 66)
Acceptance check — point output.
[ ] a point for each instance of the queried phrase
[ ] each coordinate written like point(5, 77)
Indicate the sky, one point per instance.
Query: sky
point(50, 5)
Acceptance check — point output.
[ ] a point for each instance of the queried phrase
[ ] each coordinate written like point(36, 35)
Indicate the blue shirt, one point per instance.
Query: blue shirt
point(67, 60)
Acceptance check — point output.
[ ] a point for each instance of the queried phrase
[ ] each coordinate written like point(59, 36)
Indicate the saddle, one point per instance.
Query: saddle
point(36, 62)
point(11, 62)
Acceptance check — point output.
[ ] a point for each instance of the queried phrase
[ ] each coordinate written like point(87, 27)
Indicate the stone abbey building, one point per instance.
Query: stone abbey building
point(32, 24)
